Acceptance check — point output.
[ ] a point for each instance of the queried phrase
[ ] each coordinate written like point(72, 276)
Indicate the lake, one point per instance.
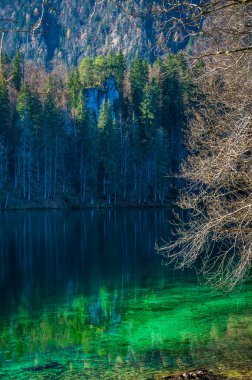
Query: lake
point(85, 296)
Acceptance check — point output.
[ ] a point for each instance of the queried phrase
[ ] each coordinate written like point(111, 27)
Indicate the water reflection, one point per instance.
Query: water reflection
point(84, 292)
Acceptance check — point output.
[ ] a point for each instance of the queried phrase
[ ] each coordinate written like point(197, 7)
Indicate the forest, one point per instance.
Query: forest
point(101, 133)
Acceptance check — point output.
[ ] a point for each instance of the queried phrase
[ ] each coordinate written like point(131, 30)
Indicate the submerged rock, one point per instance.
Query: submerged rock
point(38, 368)
point(199, 374)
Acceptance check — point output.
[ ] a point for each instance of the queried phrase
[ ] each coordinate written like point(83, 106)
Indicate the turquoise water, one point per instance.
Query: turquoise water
point(84, 296)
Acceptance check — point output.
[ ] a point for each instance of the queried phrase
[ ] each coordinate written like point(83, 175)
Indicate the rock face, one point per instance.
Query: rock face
point(199, 374)
point(96, 96)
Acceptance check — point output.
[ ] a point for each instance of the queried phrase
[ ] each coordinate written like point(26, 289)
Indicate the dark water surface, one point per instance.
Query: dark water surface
point(84, 296)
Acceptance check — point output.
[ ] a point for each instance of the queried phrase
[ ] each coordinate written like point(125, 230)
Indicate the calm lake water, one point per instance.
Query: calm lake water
point(84, 296)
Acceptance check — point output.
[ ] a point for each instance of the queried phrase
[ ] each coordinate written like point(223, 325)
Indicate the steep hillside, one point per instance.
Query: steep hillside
point(68, 33)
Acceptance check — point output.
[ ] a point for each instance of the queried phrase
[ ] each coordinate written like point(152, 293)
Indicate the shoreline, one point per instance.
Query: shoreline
point(61, 205)
point(204, 374)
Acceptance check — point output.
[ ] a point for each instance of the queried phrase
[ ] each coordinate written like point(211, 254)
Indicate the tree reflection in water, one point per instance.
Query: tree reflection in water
point(85, 296)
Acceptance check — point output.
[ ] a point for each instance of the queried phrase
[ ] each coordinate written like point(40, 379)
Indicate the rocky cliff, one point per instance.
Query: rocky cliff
point(97, 95)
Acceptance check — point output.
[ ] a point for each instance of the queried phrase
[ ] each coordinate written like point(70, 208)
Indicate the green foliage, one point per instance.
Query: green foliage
point(175, 64)
point(73, 86)
point(81, 110)
point(95, 72)
point(101, 72)
point(175, 89)
point(150, 109)
point(4, 106)
point(87, 72)
point(138, 80)
point(105, 121)
point(24, 108)
point(5, 59)
point(117, 67)
point(17, 72)
point(108, 148)
point(36, 112)
point(51, 113)
point(58, 146)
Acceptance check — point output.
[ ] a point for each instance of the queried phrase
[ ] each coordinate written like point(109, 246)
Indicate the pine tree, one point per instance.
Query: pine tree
point(24, 108)
point(174, 87)
point(52, 136)
point(120, 64)
point(162, 167)
point(73, 86)
point(116, 64)
point(138, 80)
point(4, 107)
point(87, 72)
point(150, 113)
point(5, 68)
point(105, 121)
point(81, 112)
point(86, 136)
point(4, 124)
point(17, 72)
point(111, 62)
point(25, 140)
point(109, 153)
point(101, 70)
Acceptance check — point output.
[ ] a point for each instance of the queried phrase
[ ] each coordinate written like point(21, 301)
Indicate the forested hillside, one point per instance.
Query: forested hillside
point(101, 133)
point(91, 108)
point(67, 33)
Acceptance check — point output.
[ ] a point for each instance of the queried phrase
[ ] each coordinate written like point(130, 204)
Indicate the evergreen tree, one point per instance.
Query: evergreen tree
point(17, 72)
point(150, 113)
point(25, 140)
point(101, 70)
point(173, 89)
point(4, 124)
point(24, 106)
point(109, 153)
point(4, 107)
point(162, 186)
point(105, 121)
point(116, 64)
point(5, 68)
point(138, 80)
point(87, 72)
point(53, 147)
point(81, 112)
point(120, 68)
point(86, 134)
point(5, 59)
point(50, 109)
point(73, 86)
point(111, 62)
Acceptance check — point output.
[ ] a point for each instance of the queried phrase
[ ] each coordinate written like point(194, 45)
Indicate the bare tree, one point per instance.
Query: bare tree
point(217, 197)
point(218, 169)
point(8, 25)
point(180, 20)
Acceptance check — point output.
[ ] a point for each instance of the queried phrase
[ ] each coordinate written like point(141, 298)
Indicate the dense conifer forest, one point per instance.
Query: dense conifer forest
point(100, 133)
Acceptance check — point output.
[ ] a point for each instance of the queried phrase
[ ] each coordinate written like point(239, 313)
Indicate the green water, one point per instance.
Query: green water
point(84, 296)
